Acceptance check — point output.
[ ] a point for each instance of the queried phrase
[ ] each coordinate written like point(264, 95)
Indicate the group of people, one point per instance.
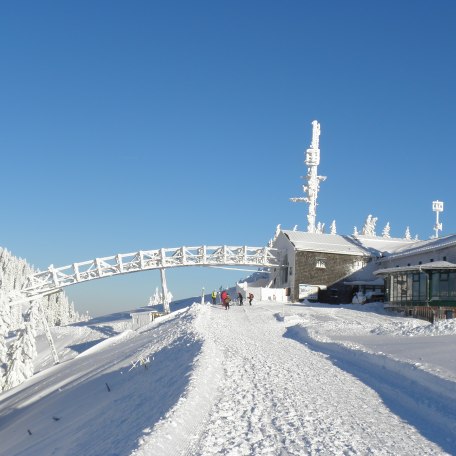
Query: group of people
point(225, 298)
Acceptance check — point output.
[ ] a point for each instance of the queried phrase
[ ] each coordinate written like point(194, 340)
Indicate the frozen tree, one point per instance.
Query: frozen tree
point(355, 231)
point(22, 351)
point(407, 234)
point(155, 299)
point(333, 227)
point(320, 229)
point(386, 231)
point(13, 276)
point(277, 232)
point(5, 324)
point(369, 226)
point(416, 237)
point(295, 228)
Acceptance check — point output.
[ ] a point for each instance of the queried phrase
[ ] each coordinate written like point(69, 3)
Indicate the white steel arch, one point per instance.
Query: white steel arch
point(54, 279)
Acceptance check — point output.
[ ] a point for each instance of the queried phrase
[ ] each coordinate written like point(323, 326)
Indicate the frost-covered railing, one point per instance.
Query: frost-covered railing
point(54, 279)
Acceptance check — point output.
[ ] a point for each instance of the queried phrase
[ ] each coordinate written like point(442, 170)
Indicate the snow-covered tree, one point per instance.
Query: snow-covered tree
point(22, 351)
point(320, 229)
point(295, 228)
point(407, 234)
point(386, 231)
point(355, 231)
point(5, 323)
point(333, 227)
point(156, 298)
point(277, 232)
point(13, 274)
point(369, 226)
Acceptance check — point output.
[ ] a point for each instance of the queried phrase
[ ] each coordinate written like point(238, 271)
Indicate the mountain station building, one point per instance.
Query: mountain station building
point(331, 268)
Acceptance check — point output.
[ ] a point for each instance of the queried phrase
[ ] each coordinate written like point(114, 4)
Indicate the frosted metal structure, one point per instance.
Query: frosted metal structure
point(437, 206)
point(54, 279)
point(312, 161)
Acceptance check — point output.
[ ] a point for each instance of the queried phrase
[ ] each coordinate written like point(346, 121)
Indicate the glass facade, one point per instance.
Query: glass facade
point(412, 287)
point(444, 285)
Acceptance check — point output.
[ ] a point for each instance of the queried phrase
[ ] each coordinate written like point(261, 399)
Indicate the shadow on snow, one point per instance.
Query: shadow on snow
point(425, 401)
point(108, 412)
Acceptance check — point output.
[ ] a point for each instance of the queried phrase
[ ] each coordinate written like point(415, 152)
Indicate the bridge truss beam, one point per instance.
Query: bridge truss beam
point(54, 279)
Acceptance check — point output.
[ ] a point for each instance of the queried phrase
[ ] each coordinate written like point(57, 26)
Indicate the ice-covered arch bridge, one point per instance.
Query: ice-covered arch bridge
point(55, 279)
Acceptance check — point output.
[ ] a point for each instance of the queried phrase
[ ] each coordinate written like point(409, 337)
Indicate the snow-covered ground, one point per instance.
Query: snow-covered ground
point(267, 379)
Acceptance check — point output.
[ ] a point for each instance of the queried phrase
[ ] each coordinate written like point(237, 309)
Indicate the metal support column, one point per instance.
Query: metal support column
point(47, 331)
point(164, 291)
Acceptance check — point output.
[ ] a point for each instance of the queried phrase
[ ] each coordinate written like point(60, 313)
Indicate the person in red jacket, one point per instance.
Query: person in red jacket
point(225, 299)
point(250, 298)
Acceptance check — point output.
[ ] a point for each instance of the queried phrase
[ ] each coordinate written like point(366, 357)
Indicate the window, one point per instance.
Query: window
point(443, 285)
point(444, 258)
point(359, 264)
point(452, 284)
point(321, 263)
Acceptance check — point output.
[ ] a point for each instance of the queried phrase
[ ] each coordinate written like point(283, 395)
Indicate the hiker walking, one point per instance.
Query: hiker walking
point(214, 297)
point(227, 301)
point(241, 299)
point(250, 298)
point(225, 297)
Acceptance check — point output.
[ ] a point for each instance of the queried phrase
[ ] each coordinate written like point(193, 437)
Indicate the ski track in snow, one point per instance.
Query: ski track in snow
point(266, 379)
point(279, 397)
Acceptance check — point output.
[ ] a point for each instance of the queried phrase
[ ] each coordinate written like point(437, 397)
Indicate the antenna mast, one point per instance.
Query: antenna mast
point(437, 206)
point(312, 161)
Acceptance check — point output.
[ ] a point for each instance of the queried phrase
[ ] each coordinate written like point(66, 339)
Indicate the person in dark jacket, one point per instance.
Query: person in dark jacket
point(241, 299)
point(250, 298)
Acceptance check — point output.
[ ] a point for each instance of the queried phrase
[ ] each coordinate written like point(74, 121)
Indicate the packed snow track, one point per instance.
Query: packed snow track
point(266, 379)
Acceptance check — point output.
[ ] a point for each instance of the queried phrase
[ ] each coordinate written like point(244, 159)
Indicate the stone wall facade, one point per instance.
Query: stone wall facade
point(329, 269)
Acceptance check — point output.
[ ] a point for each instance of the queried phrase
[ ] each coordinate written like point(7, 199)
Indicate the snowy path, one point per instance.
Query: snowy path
point(278, 397)
point(262, 380)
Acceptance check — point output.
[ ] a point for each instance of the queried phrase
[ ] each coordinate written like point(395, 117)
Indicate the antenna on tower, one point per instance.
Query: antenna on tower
point(437, 207)
point(312, 161)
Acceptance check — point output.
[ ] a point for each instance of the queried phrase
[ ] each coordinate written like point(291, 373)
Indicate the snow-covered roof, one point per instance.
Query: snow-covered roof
point(418, 267)
point(365, 245)
point(423, 246)
point(379, 246)
point(331, 243)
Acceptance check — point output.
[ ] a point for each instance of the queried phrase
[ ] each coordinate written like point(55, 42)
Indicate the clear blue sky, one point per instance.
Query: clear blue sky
point(141, 125)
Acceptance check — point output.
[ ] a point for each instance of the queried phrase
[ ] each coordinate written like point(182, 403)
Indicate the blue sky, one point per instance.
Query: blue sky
point(141, 125)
